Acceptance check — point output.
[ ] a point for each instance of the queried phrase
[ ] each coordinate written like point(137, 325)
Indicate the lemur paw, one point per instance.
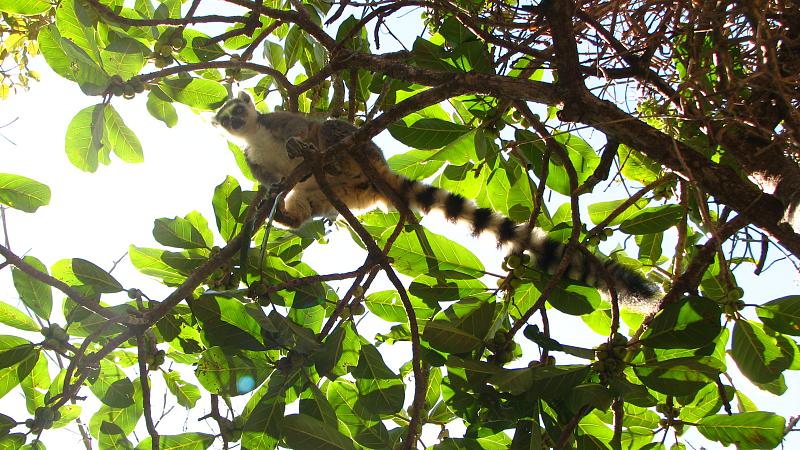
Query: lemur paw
point(334, 169)
point(277, 187)
point(295, 147)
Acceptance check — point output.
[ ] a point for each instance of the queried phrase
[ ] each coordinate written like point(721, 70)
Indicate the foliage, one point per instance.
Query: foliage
point(487, 99)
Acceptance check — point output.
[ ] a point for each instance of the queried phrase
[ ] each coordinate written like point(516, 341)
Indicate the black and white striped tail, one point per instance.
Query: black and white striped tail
point(545, 253)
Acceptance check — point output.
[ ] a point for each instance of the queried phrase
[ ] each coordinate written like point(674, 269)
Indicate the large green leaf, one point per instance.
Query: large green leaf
point(195, 92)
point(76, 21)
point(266, 411)
point(359, 423)
point(227, 203)
point(79, 272)
point(601, 210)
point(23, 193)
point(388, 306)
point(112, 423)
point(782, 314)
point(178, 232)
point(162, 110)
point(15, 318)
point(418, 251)
point(761, 357)
point(747, 430)
point(53, 52)
point(185, 393)
point(381, 391)
point(679, 376)
point(123, 56)
point(226, 322)
point(24, 7)
point(427, 134)
point(13, 374)
point(119, 138)
point(183, 441)
point(690, 322)
point(36, 295)
point(224, 372)
point(652, 220)
point(171, 267)
point(112, 387)
point(339, 353)
point(94, 132)
point(462, 327)
point(303, 431)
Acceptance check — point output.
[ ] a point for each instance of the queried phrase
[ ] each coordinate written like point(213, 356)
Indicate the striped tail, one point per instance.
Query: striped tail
point(546, 253)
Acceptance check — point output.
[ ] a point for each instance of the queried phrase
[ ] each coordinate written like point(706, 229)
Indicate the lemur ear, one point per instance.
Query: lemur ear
point(243, 97)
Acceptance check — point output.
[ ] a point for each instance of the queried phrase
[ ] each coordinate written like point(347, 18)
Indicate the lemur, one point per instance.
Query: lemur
point(264, 138)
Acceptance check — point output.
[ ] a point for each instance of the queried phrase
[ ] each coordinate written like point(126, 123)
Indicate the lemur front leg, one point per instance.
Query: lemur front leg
point(296, 147)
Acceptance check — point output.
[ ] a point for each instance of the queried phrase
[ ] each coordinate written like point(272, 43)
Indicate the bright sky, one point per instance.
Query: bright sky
point(96, 216)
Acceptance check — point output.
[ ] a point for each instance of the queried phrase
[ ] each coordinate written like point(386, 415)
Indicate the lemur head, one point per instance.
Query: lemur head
point(237, 116)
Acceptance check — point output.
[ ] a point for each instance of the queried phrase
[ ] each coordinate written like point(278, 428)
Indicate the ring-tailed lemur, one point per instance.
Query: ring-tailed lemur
point(264, 138)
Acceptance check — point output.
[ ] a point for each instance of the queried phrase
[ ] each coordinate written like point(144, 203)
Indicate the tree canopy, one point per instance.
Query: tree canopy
point(685, 111)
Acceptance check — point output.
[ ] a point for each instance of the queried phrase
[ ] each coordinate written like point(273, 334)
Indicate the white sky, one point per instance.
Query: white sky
point(96, 216)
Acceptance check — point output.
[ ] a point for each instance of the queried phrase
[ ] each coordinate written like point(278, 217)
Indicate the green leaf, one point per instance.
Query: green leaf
point(652, 220)
point(782, 314)
point(84, 139)
point(24, 7)
point(680, 376)
point(261, 428)
point(79, 272)
point(15, 318)
point(226, 322)
point(178, 232)
point(53, 52)
point(293, 45)
point(12, 376)
point(427, 134)
point(461, 327)
point(599, 211)
point(418, 251)
point(187, 394)
point(303, 431)
point(637, 167)
point(112, 387)
point(275, 55)
point(760, 357)
point(183, 441)
point(171, 267)
point(113, 423)
point(123, 56)
point(650, 247)
point(748, 430)
point(14, 355)
point(339, 353)
point(35, 294)
point(415, 164)
point(691, 322)
point(197, 48)
point(23, 193)
point(162, 110)
point(388, 306)
point(224, 372)
point(381, 391)
point(91, 78)
point(119, 138)
point(76, 22)
point(227, 203)
point(197, 93)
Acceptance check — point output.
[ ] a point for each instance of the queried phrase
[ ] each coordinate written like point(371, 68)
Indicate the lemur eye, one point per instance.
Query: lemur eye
point(238, 110)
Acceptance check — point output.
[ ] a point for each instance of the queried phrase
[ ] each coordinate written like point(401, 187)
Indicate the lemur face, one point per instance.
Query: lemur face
point(237, 115)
